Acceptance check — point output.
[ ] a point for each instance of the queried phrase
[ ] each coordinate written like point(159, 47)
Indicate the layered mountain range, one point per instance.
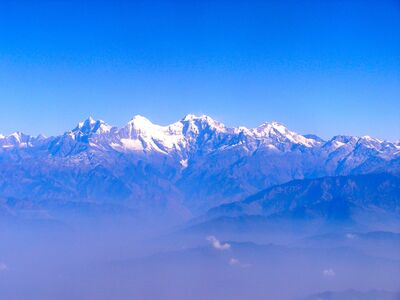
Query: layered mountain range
point(363, 200)
point(191, 165)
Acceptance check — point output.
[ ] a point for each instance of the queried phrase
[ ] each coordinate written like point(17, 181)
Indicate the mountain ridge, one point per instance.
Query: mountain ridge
point(106, 128)
point(196, 162)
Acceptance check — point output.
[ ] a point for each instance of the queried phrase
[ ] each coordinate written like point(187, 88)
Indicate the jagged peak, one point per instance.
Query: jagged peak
point(90, 120)
point(191, 126)
point(21, 137)
point(190, 117)
point(16, 139)
point(18, 136)
point(90, 125)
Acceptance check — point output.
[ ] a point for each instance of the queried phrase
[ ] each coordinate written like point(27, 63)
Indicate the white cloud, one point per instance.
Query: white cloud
point(351, 236)
point(328, 273)
point(235, 262)
point(216, 244)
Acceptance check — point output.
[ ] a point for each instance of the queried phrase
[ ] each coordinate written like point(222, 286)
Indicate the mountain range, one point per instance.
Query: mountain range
point(187, 167)
point(369, 201)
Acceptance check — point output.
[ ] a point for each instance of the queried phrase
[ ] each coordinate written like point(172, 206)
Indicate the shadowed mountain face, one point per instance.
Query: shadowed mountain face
point(374, 191)
point(186, 167)
point(360, 201)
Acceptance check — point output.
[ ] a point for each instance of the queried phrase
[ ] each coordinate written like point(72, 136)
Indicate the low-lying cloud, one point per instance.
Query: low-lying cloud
point(235, 262)
point(328, 273)
point(216, 244)
point(351, 236)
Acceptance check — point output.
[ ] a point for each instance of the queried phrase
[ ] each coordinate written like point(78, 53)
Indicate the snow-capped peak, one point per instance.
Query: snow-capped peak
point(16, 139)
point(186, 135)
point(89, 121)
point(372, 143)
point(264, 129)
point(140, 134)
point(368, 138)
point(17, 136)
point(278, 133)
point(190, 117)
point(139, 121)
point(140, 125)
point(195, 124)
point(90, 126)
point(193, 117)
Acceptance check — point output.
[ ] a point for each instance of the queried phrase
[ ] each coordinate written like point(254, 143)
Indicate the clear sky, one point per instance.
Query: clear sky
point(326, 67)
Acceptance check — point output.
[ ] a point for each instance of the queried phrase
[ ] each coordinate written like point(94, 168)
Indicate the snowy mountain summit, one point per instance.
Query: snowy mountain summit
point(140, 134)
point(196, 162)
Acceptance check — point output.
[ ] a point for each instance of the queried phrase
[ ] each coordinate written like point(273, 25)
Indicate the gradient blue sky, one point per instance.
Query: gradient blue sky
point(327, 67)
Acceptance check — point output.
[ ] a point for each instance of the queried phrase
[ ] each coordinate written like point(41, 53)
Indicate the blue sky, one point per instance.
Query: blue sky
point(327, 67)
